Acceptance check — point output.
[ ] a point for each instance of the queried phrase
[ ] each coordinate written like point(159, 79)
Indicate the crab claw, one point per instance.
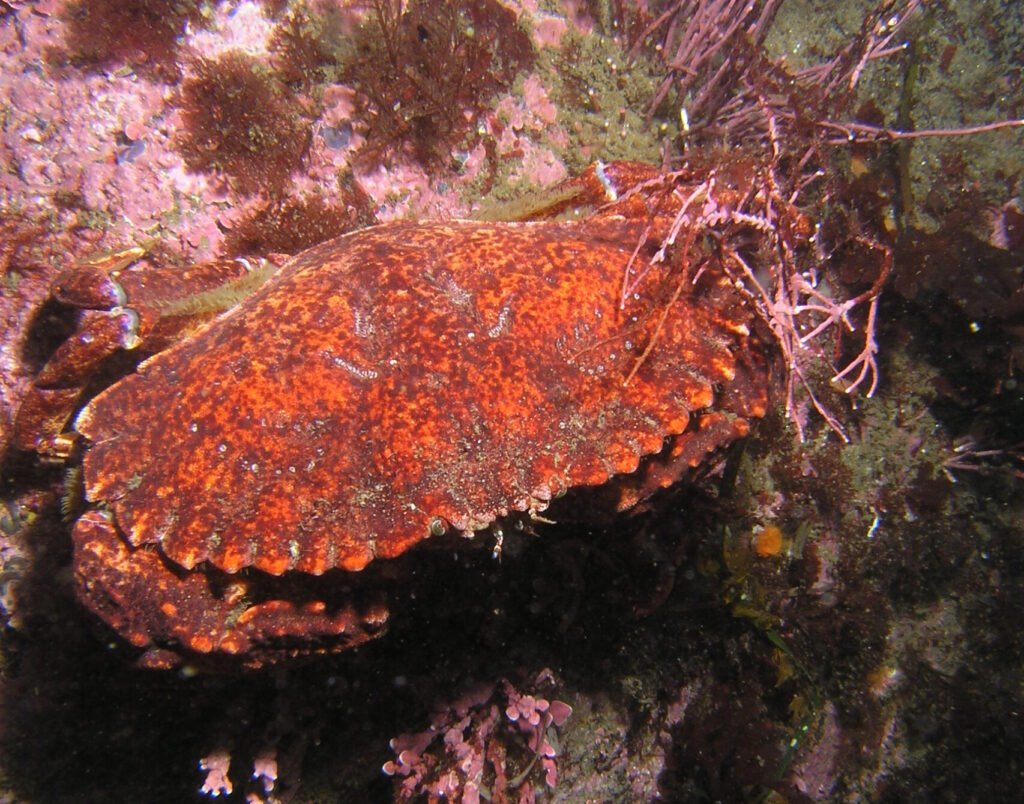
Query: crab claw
point(204, 618)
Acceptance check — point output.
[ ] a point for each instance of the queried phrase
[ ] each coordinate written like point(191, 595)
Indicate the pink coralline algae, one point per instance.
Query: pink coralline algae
point(265, 775)
point(259, 788)
point(491, 744)
point(216, 765)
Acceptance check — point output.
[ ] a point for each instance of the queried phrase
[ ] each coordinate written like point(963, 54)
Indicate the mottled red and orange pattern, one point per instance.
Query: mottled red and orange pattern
point(399, 382)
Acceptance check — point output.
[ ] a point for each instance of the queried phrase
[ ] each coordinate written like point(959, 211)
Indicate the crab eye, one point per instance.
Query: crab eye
point(438, 526)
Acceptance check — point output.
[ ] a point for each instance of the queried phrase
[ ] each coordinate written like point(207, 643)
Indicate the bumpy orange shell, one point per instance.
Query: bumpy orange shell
point(415, 377)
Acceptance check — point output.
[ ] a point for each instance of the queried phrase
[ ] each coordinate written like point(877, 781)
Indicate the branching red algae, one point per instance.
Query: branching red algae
point(240, 120)
point(424, 75)
point(142, 34)
point(289, 225)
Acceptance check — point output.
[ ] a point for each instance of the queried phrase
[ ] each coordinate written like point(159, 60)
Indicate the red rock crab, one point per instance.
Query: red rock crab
point(404, 381)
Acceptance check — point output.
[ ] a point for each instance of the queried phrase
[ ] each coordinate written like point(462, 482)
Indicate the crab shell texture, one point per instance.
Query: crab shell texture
point(400, 382)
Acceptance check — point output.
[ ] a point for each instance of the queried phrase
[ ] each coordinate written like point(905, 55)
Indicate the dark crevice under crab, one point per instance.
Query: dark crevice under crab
point(401, 382)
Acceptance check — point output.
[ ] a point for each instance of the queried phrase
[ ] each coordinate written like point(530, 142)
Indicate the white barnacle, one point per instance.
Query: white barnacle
point(499, 541)
point(346, 365)
point(609, 189)
point(354, 370)
point(362, 324)
point(459, 296)
point(503, 323)
point(129, 327)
